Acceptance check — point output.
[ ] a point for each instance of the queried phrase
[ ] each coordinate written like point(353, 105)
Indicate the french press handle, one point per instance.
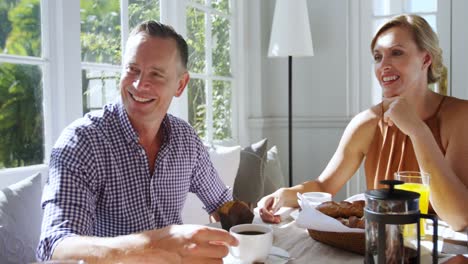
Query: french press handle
point(435, 236)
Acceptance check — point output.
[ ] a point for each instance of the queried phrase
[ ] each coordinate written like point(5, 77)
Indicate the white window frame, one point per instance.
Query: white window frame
point(62, 84)
point(208, 76)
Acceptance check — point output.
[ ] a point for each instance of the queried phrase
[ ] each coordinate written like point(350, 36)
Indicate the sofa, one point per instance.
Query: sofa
point(252, 172)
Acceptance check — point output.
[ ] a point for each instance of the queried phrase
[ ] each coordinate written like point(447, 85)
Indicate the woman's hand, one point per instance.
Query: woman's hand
point(458, 259)
point(270, 204)
point(400, 112)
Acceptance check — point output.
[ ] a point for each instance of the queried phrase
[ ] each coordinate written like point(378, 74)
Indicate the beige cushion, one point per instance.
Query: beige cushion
point(20, 220)
point(226, 162)
point(274, 178)
point(248, 186)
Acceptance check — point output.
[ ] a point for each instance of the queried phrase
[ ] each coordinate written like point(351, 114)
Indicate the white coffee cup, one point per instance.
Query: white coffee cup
point(255, 242)
point(316, 198)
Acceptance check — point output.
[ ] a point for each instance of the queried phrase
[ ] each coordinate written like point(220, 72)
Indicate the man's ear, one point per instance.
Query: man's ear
point(183, 81)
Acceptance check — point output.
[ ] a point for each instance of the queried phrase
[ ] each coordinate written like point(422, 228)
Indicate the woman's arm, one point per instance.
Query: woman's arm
point(351, 150)
point(449, 174)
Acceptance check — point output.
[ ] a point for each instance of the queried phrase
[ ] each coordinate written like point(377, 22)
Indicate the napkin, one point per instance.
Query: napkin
point(311, 218)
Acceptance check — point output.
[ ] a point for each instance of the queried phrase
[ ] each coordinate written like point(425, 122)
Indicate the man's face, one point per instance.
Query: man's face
point(152, 75)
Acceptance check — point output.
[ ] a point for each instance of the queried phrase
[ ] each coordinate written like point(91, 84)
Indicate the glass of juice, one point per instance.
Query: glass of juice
point(416, 181)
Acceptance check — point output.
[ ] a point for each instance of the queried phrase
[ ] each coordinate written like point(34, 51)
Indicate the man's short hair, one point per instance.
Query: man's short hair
point(157, 29)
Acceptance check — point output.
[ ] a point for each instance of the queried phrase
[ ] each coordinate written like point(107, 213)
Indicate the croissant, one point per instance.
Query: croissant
point(349, 214)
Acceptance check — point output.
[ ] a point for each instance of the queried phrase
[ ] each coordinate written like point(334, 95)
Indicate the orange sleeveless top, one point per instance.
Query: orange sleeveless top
point(392, 151)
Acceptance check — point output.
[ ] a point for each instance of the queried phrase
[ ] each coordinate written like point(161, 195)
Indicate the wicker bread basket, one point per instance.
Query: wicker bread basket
point(354, 242)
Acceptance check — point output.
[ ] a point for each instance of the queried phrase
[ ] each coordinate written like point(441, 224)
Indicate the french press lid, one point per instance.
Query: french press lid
point(391, 193)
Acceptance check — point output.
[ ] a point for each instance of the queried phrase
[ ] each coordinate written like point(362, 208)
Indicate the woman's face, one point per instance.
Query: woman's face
point(400, 67)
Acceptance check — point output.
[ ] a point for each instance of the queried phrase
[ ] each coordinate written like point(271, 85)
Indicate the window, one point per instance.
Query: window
point(209, 35)
point(101, 46)
point(60, 60)
point(21, 73)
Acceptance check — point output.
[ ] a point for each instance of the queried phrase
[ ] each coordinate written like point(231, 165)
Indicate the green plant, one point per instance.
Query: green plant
point(21, 121)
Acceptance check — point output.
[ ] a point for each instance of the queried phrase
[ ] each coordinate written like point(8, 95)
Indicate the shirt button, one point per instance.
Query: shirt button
point(143, 152)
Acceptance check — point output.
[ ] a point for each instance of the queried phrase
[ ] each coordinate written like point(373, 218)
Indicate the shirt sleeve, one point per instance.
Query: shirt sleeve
point(207, 184)
point(67, 199)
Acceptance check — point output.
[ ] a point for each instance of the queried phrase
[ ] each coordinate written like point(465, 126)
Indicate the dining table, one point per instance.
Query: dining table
point(295, 242)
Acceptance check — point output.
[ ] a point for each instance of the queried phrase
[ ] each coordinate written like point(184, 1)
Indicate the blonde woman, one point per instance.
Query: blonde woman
point(413, 128)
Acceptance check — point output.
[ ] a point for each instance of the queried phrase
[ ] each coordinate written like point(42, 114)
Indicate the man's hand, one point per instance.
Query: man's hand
point(193, 244)
point(176, 244)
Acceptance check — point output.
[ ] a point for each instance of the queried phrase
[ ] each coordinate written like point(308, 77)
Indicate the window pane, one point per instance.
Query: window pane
point(377, 23)
point(20, 28)
point(432, 20)
point(414, 6)
point(221, 46)
point(198, 1)
point(99, 88)
point(196, 40)
point(100, 31)
point(387, 7)
point(221, 5)
point(222, 110)
point(197, 106)
point(21, 120)
point(142, 10)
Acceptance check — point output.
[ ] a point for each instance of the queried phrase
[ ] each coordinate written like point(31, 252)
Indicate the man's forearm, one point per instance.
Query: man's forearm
point(99, 249)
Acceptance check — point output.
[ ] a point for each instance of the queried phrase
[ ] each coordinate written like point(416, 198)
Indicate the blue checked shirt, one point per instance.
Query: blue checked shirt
point(100, 185)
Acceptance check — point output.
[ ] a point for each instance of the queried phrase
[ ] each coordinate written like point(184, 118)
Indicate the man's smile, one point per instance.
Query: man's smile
point(140, 99)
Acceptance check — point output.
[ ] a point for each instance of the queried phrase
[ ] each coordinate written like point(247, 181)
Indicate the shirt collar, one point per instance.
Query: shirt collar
point(131, 135)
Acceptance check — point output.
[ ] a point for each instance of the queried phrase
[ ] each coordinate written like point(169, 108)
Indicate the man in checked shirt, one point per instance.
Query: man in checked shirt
point(118, 180)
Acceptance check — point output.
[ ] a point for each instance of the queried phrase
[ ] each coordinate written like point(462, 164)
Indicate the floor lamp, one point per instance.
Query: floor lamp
point(290, 37)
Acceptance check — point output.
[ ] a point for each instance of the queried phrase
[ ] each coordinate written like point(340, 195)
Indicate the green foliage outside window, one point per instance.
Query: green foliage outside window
point(21, 121)
point(220, 64)
point(100, 31)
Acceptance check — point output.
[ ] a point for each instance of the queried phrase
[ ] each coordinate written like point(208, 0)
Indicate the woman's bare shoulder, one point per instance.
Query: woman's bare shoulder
point(453, 120)
point(370, 116)
point(366, 120)
point(454, 110)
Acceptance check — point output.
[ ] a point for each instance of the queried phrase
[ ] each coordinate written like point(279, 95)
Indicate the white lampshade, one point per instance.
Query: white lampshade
point(290, 33)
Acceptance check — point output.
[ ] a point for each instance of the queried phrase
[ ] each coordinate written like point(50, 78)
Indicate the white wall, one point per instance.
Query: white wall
point(459, 54)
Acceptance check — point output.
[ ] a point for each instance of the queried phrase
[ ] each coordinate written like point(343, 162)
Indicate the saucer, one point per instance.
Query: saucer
point(229, 259)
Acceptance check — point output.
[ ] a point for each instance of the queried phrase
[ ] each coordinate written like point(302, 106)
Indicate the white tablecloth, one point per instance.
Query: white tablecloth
point(304, 249)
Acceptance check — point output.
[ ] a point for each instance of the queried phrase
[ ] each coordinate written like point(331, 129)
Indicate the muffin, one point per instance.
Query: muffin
point(234, 213)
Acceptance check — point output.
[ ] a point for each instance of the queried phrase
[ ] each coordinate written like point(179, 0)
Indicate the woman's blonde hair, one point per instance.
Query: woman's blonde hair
point(424, 37)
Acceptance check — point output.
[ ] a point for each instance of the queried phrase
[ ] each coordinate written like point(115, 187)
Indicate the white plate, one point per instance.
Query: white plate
point(229, 259)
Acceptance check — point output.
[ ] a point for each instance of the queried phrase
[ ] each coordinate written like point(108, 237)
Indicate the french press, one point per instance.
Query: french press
point(392, 222)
